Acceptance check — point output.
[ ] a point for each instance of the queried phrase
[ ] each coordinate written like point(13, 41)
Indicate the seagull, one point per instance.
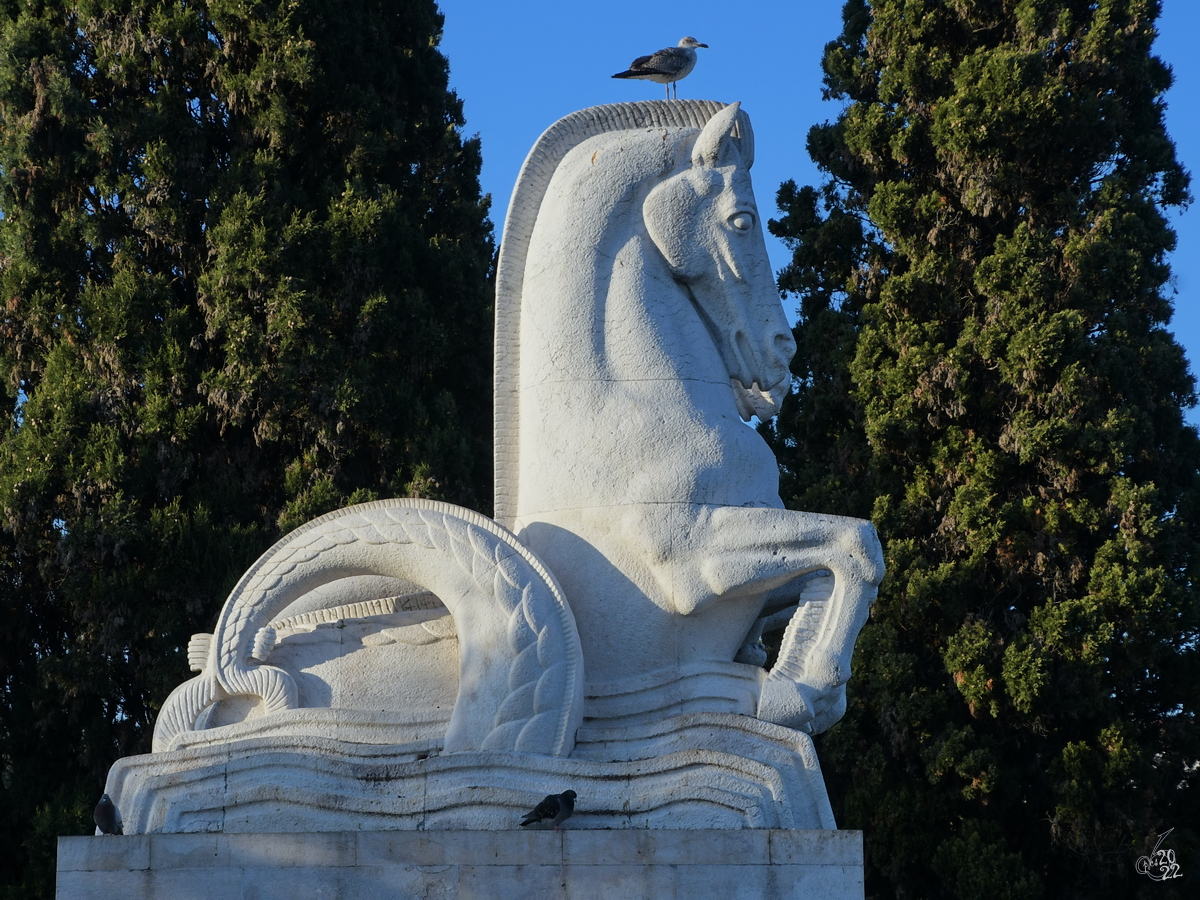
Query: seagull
point(667, 66)
point(556, 807)
point(107, 816)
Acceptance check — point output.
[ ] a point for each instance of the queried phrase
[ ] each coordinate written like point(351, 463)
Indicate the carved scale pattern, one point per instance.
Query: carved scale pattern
point(435, 545)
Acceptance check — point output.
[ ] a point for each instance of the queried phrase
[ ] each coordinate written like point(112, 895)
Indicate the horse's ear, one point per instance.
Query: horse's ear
point(719, 144)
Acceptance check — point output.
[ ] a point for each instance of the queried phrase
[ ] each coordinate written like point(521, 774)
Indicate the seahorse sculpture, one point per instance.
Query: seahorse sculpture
point(604, 628)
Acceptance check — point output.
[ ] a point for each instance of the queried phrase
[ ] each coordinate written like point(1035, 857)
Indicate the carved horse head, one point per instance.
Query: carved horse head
point(705, 223)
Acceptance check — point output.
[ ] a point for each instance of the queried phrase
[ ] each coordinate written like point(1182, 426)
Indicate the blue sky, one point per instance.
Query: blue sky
point(521, 65)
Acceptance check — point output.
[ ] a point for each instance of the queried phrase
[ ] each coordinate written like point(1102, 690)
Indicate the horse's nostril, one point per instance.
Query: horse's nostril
point(785, 345)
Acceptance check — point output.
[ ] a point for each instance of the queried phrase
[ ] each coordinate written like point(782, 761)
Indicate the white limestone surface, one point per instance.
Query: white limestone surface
point(486, 646)
point(411, 665)
point(638, 328)
point(464, 865)
point(698, 770)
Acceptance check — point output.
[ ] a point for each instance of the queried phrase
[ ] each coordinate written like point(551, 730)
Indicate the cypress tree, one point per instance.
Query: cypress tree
point(985, 371)
point(243, 278)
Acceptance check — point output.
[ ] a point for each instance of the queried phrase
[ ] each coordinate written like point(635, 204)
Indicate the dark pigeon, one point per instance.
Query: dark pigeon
point(107, 816)
point(556, 807)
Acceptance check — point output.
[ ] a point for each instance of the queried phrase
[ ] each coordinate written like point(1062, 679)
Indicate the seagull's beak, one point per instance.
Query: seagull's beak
point(705, 46)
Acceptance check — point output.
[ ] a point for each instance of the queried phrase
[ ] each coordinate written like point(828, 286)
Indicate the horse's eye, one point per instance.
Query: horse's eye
point(742, 221)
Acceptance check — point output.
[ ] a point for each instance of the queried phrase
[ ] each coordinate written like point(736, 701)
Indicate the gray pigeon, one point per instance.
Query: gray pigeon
point(107, 816)
point(556, 807)
point(666, 66)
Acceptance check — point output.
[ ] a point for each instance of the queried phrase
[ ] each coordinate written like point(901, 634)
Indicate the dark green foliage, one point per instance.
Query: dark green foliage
point(984, 371)
point(243, 281)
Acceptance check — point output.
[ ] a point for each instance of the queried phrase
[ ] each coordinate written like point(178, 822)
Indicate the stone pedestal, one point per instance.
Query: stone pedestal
point(652, 864)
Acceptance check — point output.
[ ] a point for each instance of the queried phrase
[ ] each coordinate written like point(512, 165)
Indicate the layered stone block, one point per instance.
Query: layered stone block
point(762, 864)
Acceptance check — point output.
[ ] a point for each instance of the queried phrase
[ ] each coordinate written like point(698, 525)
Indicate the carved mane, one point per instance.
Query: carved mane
point(537, 171)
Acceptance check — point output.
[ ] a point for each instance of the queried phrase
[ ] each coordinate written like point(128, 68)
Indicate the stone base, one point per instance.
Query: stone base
point(655, 865)
point(709, 771)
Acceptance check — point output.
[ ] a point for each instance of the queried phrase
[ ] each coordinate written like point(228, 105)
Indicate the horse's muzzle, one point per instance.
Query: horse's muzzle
point(754, 401)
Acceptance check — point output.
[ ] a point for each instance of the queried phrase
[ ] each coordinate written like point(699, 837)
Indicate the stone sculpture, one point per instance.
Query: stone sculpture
point(409, 664)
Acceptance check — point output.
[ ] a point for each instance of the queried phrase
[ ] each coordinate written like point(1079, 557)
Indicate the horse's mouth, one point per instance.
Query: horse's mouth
point(754, 401)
